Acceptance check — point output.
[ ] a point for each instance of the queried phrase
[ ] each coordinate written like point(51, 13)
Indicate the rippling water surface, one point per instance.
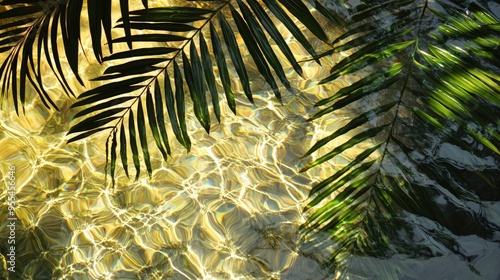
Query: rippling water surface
point(228, 209)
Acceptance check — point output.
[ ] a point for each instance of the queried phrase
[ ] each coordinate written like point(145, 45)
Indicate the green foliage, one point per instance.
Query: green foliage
point(439, 77)
point(433, 67)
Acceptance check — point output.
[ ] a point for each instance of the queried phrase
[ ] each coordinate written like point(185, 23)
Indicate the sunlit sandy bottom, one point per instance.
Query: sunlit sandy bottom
point(229, 209)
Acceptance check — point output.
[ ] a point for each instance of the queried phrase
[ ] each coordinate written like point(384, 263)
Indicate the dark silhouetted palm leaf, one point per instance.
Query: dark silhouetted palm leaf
point(30, 27)
point(139, 71)
point(164, 43)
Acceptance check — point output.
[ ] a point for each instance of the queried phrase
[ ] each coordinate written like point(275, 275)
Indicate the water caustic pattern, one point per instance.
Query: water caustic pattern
point(228, 209)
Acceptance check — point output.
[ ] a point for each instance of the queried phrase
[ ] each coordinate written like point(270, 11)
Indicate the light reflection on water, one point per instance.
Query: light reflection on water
point(229, 209)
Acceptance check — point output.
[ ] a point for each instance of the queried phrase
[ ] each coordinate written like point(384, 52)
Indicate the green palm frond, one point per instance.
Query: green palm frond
point(440, 93)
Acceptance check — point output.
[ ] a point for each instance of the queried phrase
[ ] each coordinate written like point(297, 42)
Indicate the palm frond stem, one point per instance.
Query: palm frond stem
point(155, 77)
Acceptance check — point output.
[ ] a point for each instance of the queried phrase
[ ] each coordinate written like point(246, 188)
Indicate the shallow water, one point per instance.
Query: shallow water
point(228, 209)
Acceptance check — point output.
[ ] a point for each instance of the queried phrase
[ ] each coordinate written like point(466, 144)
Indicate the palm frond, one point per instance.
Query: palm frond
point(33, 26)
point(178, 42)
point(441, 93)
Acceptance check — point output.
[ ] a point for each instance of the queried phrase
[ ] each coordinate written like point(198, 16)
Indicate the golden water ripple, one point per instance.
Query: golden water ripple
point(230, 209)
